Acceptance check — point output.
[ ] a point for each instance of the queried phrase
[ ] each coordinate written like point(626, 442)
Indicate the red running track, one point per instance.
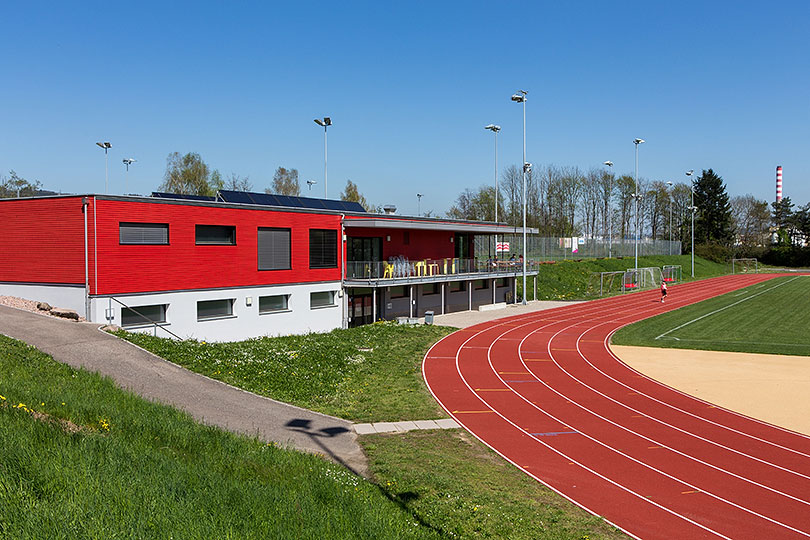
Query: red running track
point(544, 391)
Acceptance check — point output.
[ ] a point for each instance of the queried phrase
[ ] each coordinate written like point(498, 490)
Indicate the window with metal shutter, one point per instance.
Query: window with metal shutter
point(274, 249)
point(143, 233)
point(322, 248)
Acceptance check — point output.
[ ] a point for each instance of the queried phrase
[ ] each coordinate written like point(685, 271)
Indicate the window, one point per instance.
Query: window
point(214, 309)
point(400, 291)
point(501, 282)
point(481, 284)
point(215, 234)
point(274, 249)
point(457, 286)
point(269, 304)
point(143, 233)
point(430, 288)
point(143, 315)
point(321, 299)
point(322, 248)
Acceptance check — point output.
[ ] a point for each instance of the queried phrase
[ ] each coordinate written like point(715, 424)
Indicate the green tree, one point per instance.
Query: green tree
point(16, 186)
point(713, 223)
point(475, 205)
point(352, 194)
point(189, 175)
point(285, 182)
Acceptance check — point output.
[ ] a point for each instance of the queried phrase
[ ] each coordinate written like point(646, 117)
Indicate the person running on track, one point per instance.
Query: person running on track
point(663, 291)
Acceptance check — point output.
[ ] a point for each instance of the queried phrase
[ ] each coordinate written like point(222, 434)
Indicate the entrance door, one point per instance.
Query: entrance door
point(360, 307)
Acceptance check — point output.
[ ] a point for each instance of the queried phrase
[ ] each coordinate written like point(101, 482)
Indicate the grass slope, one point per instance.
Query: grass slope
point(766, 318)
point(82, 459)
point(367, 374)
point(568, 280)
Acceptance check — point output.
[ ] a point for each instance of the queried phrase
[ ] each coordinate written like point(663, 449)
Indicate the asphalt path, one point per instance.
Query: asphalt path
point(83, 345)
point(544, 391)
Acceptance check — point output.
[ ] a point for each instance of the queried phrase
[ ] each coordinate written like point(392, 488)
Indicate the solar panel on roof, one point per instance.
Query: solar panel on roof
point(270, 199)
point(163, 195)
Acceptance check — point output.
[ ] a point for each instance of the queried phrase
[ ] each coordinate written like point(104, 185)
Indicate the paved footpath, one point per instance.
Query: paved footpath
point(208, 401)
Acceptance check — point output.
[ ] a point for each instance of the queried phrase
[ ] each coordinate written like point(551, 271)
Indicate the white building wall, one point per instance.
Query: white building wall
point(63, 296)
point(246, 321)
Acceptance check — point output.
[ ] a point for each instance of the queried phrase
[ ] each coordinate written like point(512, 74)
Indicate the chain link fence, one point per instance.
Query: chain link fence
point(541, 248)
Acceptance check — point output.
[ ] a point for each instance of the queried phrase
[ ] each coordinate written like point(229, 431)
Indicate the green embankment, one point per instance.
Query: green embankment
point(766, 318)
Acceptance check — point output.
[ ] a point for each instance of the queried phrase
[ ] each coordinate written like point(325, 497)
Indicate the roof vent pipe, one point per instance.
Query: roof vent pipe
point(390, 209)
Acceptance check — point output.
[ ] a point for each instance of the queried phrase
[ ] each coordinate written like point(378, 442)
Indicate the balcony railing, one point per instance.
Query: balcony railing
point(400, 267)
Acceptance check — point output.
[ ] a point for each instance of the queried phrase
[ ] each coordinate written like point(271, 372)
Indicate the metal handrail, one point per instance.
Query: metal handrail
point(401, 267)
point(156, 324)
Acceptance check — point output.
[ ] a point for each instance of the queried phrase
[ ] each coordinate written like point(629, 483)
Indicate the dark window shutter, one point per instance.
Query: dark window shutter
point(274, 249)
point(323, 248)
point(143, 233)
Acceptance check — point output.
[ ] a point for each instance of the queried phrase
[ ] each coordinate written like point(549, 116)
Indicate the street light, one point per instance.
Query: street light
point(670, 216)
point(418, 204)
point(311, 183)
point(106, 146)
point(607, 217)
point(692, 208)
point(127, 162)
point(637, 196)
point(520, 97)
point(326, 122)
point(495, 129)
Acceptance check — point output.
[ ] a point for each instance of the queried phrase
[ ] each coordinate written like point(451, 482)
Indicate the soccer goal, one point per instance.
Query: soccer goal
point(671, 273)
point(605, 283)
point(636, 279)
point(744, 266)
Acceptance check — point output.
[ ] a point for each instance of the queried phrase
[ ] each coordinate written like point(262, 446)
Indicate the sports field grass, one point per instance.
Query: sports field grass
point(769, 318)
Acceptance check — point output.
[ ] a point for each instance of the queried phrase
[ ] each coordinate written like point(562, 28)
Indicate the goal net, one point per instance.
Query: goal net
point(744, 266)
point(636, 279)
point(671, 273)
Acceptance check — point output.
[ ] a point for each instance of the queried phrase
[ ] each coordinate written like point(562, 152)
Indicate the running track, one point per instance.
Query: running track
point(544, 391)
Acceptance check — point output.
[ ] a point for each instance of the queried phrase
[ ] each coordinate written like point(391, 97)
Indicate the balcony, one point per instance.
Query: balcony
point(399, 270)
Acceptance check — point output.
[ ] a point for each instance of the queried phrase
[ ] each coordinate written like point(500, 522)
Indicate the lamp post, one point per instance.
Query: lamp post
point(311, 183)
point(326, 122)
point(106, 146)
point(637, 196)
point(418, 204)
point(692, 209)
point(520, 97)
point(670, 216)
point(495, 129)
point(127, 162)
point(607, 216)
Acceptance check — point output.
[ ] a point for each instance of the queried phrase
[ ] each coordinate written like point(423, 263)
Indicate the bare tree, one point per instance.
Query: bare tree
point(591, 199)
point(239, 183)
point(285, 182)
point(751, 220)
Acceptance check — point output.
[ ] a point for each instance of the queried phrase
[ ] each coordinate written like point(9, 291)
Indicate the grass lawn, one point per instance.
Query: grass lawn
point(367, 374)
point(453, 483)
point(82, 459)
point(767, 318)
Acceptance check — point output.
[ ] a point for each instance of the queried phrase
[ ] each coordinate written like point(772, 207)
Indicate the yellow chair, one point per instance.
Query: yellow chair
point(389, 271)
point(420, 268)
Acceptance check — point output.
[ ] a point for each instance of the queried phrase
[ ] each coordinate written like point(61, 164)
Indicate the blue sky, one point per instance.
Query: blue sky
point(409, 87)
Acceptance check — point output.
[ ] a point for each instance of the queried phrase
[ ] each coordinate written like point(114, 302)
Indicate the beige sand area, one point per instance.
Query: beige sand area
point(770, 387)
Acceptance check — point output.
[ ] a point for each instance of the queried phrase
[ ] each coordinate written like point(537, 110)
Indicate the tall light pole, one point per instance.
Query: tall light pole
point(607, 216)
point(311, 183)
point(669, 184)
point(127, 162)
point(326, 122)
point(692, 209)
point(520, 97)
point(495, 129)
point(106, 146)
point(418, 204)
point(637, 196)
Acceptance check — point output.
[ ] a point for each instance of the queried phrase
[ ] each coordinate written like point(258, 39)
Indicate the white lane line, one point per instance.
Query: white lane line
point(726, 307)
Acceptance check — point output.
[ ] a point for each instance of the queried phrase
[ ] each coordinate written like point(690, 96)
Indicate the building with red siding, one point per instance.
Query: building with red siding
point(220, 270)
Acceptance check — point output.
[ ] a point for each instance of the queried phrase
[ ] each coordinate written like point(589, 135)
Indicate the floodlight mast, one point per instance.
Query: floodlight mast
point(495, 129)
point(311, 183)
point(325, 123)
point(670, 216)
point(608, 217)
point(692, 209)
point(520, 97)
point(637, 196)
point(127, 162)
point(105, 146)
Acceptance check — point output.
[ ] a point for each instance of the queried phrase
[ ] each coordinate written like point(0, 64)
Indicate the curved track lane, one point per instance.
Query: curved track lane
point(544, 391)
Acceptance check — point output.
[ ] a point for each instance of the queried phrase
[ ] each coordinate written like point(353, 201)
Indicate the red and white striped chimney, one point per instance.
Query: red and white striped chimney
point(778, 183)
